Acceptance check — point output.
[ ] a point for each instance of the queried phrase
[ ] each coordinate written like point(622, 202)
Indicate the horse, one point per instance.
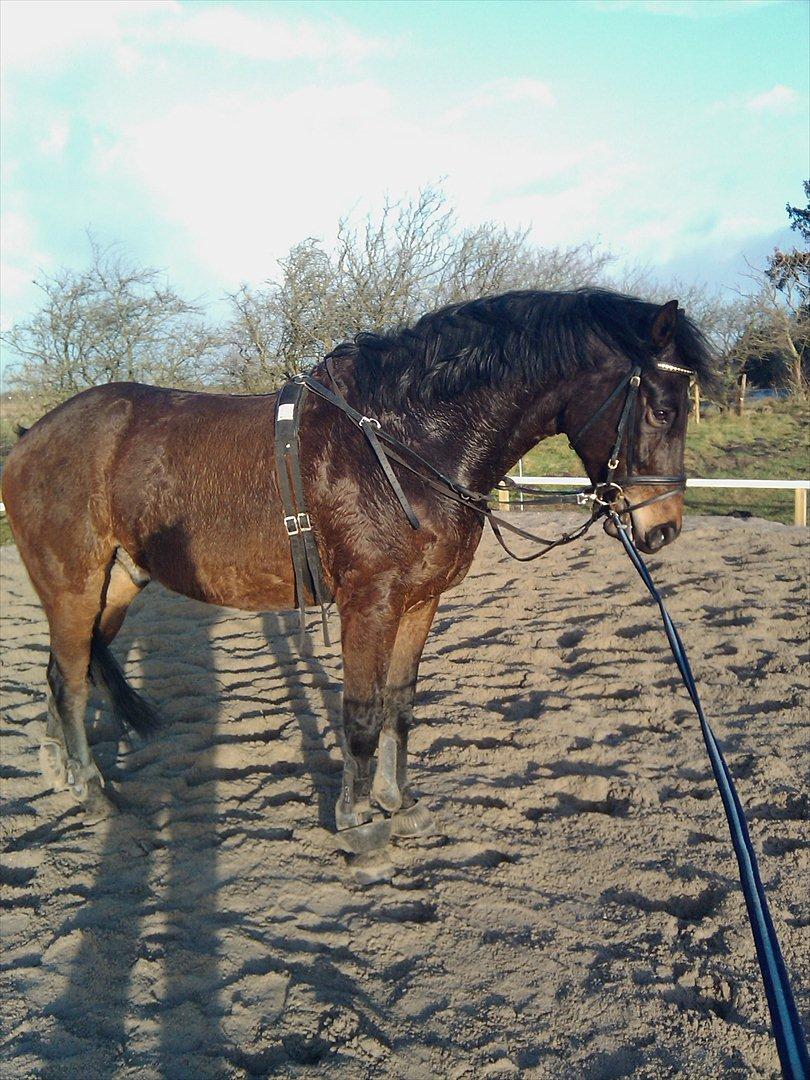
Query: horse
point(127, 483)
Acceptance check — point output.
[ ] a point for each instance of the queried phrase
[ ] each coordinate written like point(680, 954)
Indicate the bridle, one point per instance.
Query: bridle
point(608, 492)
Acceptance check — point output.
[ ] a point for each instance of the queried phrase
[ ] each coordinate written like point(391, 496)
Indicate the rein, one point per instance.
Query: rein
point(787, 1028)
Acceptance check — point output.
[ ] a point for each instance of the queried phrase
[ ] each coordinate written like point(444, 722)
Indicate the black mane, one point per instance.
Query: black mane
point(531, 336)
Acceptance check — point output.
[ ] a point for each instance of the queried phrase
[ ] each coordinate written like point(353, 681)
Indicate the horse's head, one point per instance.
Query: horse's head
point(627, 422)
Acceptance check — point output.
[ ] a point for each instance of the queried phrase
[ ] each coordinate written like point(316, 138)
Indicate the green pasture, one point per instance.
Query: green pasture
point(770, 441)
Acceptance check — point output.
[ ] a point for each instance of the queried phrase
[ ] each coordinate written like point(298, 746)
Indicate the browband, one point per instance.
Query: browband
point(664, 366)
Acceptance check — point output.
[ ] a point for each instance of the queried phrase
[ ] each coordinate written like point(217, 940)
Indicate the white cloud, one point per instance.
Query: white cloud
point(779, 99)
point(511, 91)
point(246, 177)
point(45, 33)
point(685, 230)
point(501, 92)
point(260, 38)
point(56, 140)
point(21, 262)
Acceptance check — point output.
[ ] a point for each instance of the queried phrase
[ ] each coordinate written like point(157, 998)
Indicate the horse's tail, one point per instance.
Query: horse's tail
point(128, 705)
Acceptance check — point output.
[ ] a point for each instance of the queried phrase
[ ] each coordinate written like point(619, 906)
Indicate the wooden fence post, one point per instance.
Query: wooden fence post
point(696, 391)
point(800, 506)
point(741, 396)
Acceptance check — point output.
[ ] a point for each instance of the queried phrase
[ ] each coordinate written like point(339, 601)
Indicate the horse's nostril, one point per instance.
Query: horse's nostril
point(660, 536)
point(655, 539)
point(670, 532)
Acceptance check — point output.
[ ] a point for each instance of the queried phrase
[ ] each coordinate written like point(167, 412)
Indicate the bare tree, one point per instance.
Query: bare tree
point(774, 324)
point(113, 321)
point(777, 330)
point(387, 272)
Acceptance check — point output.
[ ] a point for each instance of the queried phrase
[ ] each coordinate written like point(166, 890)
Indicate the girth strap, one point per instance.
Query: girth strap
point(303, 549)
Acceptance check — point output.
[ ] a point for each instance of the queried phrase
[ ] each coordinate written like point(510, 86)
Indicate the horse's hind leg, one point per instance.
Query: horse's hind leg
point(125, 582)
point(390, 786)
point(66, 753)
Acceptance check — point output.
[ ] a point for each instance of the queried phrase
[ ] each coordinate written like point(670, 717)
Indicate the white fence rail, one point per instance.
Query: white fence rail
point(798, 487)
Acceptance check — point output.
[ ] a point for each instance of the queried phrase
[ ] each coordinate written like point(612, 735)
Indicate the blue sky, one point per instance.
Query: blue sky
point(209, 137)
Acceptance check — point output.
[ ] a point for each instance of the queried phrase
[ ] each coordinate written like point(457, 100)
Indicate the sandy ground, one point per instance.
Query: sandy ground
point(579, 915)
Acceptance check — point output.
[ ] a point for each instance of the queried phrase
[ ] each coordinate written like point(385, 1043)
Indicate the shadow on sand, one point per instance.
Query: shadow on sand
point(144, 988)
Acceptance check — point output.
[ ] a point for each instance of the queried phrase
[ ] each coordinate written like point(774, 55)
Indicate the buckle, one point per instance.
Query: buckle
point(585, 497)
point(613, 464)
point(635, 380)
point(304, 524)
point(291, 525)
point(369, 420)
point(602, 498)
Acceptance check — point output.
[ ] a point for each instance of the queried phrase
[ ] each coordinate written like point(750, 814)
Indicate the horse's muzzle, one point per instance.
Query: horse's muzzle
point(658, 536)
point(655, 538)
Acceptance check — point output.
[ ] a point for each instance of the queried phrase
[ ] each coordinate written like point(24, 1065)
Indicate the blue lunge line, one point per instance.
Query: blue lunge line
point(787, 1028)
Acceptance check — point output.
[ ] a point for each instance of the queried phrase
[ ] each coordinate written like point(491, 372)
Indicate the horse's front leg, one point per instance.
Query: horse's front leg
point(390, 787)
point(368, 630)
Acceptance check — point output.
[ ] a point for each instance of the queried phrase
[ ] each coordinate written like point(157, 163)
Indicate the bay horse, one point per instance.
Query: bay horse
point(127, 483)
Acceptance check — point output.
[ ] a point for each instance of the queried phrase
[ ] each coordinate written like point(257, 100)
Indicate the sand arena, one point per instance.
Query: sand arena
point(578, 916)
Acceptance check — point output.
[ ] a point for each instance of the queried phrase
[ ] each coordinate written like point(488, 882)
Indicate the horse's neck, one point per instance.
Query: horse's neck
point(479, 437)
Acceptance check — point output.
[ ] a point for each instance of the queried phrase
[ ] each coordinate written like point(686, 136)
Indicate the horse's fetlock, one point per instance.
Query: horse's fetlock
point(53, 762)
point(385, 789)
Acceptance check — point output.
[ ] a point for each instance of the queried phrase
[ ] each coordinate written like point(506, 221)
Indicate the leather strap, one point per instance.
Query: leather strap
point(369, 426)
point(306, 561)
point(322, 595)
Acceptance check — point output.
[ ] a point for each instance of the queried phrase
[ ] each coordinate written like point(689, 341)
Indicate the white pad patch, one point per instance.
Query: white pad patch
point(285, 412)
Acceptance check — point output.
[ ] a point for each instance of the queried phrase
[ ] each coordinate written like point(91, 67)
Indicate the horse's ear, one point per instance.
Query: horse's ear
point(664, 323)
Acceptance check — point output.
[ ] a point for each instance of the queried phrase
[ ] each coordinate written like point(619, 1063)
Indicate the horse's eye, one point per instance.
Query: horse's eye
point(661, 416)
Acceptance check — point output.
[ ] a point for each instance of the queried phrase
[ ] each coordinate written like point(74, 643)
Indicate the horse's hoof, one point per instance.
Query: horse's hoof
point(79, 778)
point(417, 820)
point(364, 838)
point(97, 804)
point(371, 868)
point(53, 763)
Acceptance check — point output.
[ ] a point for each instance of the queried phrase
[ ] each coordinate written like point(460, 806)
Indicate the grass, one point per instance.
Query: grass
point(768, 442)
